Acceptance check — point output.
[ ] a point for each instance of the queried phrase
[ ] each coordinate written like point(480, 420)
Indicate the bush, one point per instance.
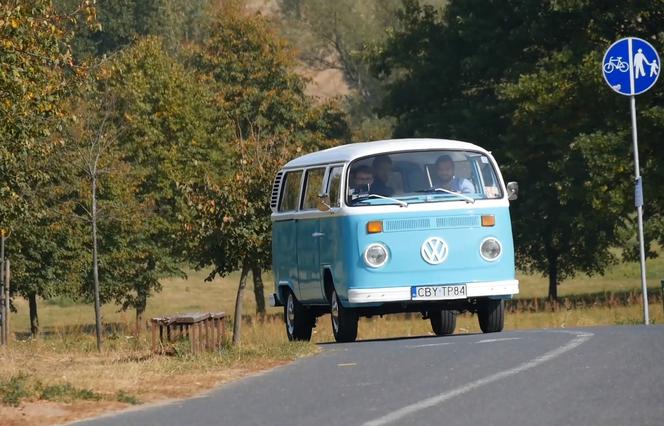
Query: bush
point(15, 389)
point(67, 393)
point(127, 398)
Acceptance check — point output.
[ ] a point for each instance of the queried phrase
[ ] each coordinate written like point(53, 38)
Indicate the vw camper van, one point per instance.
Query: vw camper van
point(374, 228)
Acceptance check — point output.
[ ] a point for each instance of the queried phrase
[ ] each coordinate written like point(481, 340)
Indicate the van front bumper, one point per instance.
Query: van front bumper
point(402, 294)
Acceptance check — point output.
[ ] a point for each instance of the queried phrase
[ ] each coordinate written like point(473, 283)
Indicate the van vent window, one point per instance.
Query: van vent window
point(274, 200)
point(290, 191)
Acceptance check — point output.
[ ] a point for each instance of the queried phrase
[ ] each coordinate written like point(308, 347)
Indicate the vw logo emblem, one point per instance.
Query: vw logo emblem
point(434, 251)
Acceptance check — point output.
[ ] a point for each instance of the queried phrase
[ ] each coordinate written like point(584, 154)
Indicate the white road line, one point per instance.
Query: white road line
point(581, 337)
point(429, 345)
point(503, 339)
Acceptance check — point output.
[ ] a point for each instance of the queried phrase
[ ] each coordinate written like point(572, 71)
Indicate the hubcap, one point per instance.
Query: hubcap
point(290, 314)
point(335, 312)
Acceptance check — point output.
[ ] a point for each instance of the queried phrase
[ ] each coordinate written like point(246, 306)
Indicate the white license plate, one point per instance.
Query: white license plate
point(438, 292)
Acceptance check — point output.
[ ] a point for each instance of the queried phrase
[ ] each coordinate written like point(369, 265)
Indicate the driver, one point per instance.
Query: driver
point(362, 178)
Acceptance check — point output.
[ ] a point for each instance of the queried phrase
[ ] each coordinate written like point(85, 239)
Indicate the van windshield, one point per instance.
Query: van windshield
point(424, 176)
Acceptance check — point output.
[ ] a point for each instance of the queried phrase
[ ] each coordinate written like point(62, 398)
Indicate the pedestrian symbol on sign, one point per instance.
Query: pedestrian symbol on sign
point(639, 60)
point(637, 72)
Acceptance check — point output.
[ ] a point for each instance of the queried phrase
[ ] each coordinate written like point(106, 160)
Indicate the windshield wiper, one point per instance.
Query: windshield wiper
point(465, 197)
point(362, 197)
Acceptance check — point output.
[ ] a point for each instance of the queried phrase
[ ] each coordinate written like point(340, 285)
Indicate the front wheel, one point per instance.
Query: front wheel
point(491, 315)
point(443, 321)
point(299, 320)
point(344, 320)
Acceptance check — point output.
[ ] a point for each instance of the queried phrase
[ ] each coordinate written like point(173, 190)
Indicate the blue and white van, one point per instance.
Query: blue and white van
point(410, 225)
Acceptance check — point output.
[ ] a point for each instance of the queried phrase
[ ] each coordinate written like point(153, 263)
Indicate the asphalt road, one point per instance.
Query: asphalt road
point(596, 376)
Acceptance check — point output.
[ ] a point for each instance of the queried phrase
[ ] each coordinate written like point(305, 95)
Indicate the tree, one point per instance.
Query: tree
point(97, 154)
point(255, 85)
point(122, 22)
point(587, 172)
point(517, 78)
point(30, 102)
point(170, 136)
point(45, 248)
point(37, 75)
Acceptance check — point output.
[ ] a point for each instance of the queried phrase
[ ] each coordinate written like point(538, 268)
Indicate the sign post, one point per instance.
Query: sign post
point(3, 311)
point(631, 76)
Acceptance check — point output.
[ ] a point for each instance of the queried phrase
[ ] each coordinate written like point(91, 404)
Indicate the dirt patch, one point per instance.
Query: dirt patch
point(38, 413)
point(325, 84)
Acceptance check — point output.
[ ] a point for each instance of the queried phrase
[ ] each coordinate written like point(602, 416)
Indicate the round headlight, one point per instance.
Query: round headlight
point(490, 249)
point(375, 255)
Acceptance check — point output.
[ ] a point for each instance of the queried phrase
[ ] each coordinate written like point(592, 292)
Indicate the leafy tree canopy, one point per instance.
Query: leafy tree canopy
point(262, 97)
point(524, 80)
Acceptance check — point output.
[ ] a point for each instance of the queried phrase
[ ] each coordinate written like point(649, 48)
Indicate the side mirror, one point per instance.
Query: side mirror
point(323, 202)
point(512, 191)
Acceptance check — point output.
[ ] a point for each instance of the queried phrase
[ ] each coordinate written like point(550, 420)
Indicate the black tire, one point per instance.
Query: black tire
point(443, 321)
point(344, 320)
point(491, 315)
point(299, 320)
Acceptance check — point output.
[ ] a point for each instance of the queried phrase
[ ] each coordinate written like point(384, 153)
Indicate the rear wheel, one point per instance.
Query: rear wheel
point(491, 315)
point(344, 320)
point(442, 321)
point(299, 320)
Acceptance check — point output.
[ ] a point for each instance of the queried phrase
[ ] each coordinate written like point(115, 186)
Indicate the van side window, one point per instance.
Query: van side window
point(290, 192)
point(313, 186)
point(334, 186)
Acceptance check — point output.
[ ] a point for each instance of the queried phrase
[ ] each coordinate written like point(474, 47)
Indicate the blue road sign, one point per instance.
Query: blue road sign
point(631, 66)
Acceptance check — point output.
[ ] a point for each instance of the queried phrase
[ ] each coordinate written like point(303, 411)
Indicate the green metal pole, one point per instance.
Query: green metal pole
point(3, 311)
point(662, 295)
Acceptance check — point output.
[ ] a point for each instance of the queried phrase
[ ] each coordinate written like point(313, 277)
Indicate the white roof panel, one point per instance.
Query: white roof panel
point(346, 153)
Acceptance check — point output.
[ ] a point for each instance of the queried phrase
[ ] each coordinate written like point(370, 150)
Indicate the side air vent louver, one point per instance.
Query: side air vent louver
point(274, 200)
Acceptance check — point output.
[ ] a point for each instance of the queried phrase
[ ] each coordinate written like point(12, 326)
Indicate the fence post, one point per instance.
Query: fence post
point(153, 329)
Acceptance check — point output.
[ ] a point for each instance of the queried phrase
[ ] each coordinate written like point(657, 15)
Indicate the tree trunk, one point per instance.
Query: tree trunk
point(34, 317)
point(258, 290)
point(141, 304)
point(237, 318)
point(4, 330)
point(553, 278)
point(95, 262)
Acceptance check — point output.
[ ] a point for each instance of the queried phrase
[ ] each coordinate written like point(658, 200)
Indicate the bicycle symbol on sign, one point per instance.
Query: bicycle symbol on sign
point(616, 63)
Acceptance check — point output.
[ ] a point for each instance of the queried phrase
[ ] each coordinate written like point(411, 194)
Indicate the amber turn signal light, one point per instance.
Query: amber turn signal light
point(488, 220)
point(375, 226)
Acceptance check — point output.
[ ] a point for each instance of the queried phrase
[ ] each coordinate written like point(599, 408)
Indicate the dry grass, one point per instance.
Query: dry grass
point(624, 276)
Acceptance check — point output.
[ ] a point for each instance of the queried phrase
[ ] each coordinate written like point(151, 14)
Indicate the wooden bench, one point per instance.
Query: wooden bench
point(205, 331)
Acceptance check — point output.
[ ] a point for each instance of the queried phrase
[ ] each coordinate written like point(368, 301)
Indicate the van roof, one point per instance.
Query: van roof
point(346, 153)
